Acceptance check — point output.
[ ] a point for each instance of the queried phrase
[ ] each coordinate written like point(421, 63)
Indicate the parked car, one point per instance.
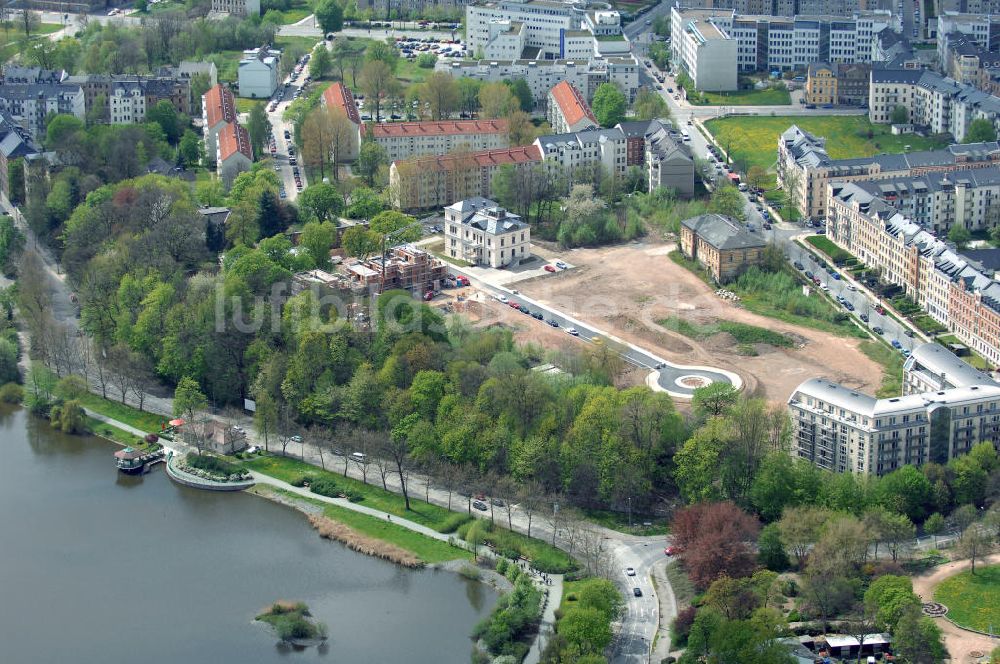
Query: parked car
point(553, 322)
point(670, 550)
point(480, 505)
point(877, 330)
point(864, 317)
point(895, 344)
point(550, 268)
point(537, 315)
point(561, 265)
point(908, 332)
point(573, 331)
point(809, 275)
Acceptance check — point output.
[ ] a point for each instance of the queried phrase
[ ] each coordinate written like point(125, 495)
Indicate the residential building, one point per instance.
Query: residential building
point(237, 7)
point(125, 99)
point(259, 73)
point(843, 430)
point(584, 74)
point(704, 49)
point(932, 367)
point(403, 140)
point(568, 111)
point(432, 181)
point(788, 8)
point(843, 84)
point(13, 73)
point(338, 97)
point(234, 154)
point(585, 149)
point(29, 104)
point(722, 245)
point(127, 103)
point(821, 84)
point(668, 161)
point(542, 29)
point(479, 231)
point(805, 168)
point(893, 51)
point(15, 143)
point(218, 109)
point(412, 8)
point(984, 29)
point(968, 62)
point(404, 267)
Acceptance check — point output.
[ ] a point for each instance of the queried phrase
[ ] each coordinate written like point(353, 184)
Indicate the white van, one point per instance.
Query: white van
point(359, 457)
point(685, 135)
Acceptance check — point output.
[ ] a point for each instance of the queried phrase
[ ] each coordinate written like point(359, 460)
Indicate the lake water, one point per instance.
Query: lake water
point(97, 567)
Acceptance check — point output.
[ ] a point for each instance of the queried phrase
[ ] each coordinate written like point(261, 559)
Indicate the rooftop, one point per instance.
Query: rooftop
point(722, 232)
point(219, 105)
point(232, 139)
point(339, 96)
point(439, 128)
point(572, 105)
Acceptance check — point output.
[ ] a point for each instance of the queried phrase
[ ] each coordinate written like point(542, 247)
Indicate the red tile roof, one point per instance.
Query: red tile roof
point(486, 158)
point(232, 139)
point(220, 106)
point(572, 104)
point(439, 128)
point(339, 96)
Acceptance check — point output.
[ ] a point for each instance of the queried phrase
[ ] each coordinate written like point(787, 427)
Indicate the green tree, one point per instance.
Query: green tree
point(391, 224)
point(321, 62)
point(60, 128)
point(359, 242)
point(519, 88)
point(900, 115)
point(317, 239)
point(165, 115)
point(371, 157)
point(714, 399)
point(69, 417)
point(330, 15)
point(586, 630)
point(906, 491)
point(650, 106)
point(190, 149)
point(771, 550)
point(917, 639)
point(609, 105)
point(889, 597)
point(259, 128)
point(727, 200)
point(960, 235)
point(320, 201)
point(9, 372)
point(980, 130)
point(188, 398)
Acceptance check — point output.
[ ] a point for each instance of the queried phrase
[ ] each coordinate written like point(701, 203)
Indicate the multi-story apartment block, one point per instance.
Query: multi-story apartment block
point(235, 154)
point(127, 98)
point(984, 29)
point(30, 103)
point(821, 84)
point(768, 43)
point(786, 8)
point(433, 181)
point(218, 109)
point(843, 430)
point(805, 168)
point(481, 232)
point(845, 84)
point(586, 75)
point(15, 143)
point(722, 245)
point(968, 62)
point(338, 97)
point(893, 51)
point(668, 160)
point(932, 368)
point(258, 72)
point(543, 29)
point(704, 49)
point(127, 103)
point(568, 111)
point(403, 140)
point(981, 7)
point(237, 7)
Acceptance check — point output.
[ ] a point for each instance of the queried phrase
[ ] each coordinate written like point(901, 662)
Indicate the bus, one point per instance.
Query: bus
point(685, 135)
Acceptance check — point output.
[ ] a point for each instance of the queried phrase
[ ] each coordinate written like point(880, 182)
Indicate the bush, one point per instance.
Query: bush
point(151, 438)
point(212, 464)
point(452, 522)
point(682, 626)
point(502, 566)
point(301, 480)
point(324, 486)
point(793, 616)
point(11, 393)
point(512, 619)
point(355, 496)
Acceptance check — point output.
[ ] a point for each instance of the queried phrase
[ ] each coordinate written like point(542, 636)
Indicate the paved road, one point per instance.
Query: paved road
point(307, 28)
point(641, 616)
point(664, 375)
point(279, 126)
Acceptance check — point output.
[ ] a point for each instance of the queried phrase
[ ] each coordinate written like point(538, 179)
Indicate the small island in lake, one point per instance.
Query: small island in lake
point(293, 623)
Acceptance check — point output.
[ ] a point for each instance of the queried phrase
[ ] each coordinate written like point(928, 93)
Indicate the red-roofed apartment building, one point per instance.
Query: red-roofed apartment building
point(235, 154)
point(433, 181)
point(568, 111)
point(338, 97)
point(218, 108)
point(403, 140)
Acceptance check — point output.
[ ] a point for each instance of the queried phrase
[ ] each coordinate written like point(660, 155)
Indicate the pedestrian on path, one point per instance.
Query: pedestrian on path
point(389, 517)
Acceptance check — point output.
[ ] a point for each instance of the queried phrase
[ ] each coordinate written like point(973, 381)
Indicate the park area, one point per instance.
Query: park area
point(753, 140)
point(973, 600)
point(12, 40)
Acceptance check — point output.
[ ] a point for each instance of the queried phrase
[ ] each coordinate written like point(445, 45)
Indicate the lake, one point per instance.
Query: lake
point(98, 567)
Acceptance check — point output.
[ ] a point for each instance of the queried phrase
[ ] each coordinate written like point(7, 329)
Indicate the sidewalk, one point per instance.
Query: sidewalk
point(547, 626)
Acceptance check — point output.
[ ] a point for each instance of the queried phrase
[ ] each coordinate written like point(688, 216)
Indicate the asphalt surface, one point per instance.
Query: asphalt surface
point(279, 126)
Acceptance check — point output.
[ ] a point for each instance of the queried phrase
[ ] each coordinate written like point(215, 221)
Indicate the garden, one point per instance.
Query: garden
point(838, 255)
point(753, 140)
point(972, 598)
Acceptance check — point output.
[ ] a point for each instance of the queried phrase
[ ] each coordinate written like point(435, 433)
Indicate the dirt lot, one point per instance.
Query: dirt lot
point(624, 290)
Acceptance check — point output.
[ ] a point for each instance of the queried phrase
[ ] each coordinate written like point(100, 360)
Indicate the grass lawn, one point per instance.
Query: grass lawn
point(928, 325)
point(99, 428)
point(741, 332)
point(690, 330)
point(437, 248)
point(543, 556)
point(243, 105)
point(972, 598)
point(11, 41)
point(838, 255)
point(972, 358)
point(432, 516)
point(407, 71)
point(149, 422)
point(619, 521)
point(754, 140)
point(228, 64)
point(766, 97)
point(684, 590)
point(892, 365)
point(427, 549)
point(306, 43)
point(293, 15)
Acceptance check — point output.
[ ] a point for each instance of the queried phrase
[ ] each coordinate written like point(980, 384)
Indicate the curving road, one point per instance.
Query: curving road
point(677, 380)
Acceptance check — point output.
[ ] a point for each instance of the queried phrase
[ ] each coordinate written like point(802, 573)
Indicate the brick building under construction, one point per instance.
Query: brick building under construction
point(403, 267)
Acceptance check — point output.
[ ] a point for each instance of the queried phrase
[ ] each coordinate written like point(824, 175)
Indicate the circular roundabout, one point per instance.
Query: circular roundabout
point(693, 382)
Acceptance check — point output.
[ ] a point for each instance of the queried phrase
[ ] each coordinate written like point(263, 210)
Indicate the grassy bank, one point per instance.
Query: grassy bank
point(12, 41)
point(892, 367)
point(741, 333)
point(753, 140)
point(543, 556)
point(619, 522)
point(426, 514)
point(115, 434)
point(149, 422)
point(777, 96)
point(972, 598)
point(826, 245)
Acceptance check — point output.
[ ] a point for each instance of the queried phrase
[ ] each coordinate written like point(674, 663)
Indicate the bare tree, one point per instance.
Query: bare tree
point(198, 433)
point(469, 480)
point(119, 366)
point(552, 514)
point(101, 370)
point(976, 544)
point(529, 500)
point(398, 449)
point(594, 551)
point(860, 625)
point(449, 477)
point(320, 439)
point(505, 491)
point(368, 447)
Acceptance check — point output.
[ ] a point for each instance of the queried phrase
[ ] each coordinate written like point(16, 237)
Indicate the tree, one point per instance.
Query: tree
point(61, 128)
point(188, 398)
point(496, 100)
point(383, 51)
point(980, 130)
point(165, 115)
point(714, 399)
point(960, 235)
point(29, 22)
point(900, 115)
point(320, 201)
point(934, 525)
point(359, 242)
point(974, 544)
point(609, 105)
point(897, 530)
point(727, 200)
point(889, 597)
point(755, 176)
point(906, 491)
point(714, 539)
point(586, 629)
point(917, 639)
point(650, 106)
point(520, 129)
point(190, 150)
point(519, 88)
point(316, 138)
point(317, 239)
point(800, 528)
point(259, 128)
point(321, 62)
point(378, 83)
point(771, 550)
point(69, 417)
point(330, 15)
point(371, 157)
point(439, 92)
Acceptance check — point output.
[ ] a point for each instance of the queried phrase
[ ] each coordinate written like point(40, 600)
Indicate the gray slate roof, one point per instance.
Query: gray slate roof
point(722, 232)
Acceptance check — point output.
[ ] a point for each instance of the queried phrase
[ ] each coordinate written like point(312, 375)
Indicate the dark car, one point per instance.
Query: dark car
point(526, 310)
point(798, 265)
point(908, 332)
point(537, 315)
point(553, 322)
point(848, 306)
point(809, 275)
point(637, 592)
point(864, 317)
point(877, 330)
point(480, 505)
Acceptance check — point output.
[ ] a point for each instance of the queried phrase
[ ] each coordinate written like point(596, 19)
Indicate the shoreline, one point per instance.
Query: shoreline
point(485, 576)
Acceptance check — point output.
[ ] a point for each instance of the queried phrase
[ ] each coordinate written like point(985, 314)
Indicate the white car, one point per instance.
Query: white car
point(572, 330)
point(502, 299)
point(629, 571)
point(824, 286)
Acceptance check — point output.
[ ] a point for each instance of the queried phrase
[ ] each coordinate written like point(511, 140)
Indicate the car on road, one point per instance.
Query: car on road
point(864, 317)
point(629, 571)
point(515, 305)
point(553, 322)
point(895, 344)
point(537, 315)
point(908, 332)
point(809, 275)
point(670, 550)
point(526, 310)
point(502, 299)
point(295, 439)
point(637, 592)
point(823, 286)
point(480, 505)
point(573, 331)
point(767, 226)
point(848, 306)
point(877, 330)
point(561, 265)
point(550, 268)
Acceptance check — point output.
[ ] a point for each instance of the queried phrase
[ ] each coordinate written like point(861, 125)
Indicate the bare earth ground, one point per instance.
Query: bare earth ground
point(625, 289)
point(960, 642)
